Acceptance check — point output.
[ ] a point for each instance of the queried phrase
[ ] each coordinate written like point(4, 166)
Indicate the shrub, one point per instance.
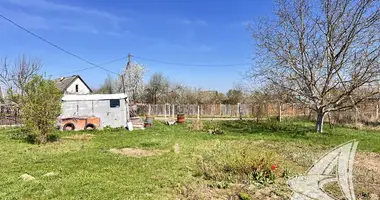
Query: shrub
point(41, 105)
point(264, 176)
point(196, 125)
point(213, 128)
point(244, 196)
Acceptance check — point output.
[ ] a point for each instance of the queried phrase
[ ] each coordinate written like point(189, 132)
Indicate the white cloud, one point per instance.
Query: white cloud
point(50, 6)
point(205, 48)
point(194, 22)
point(26, 20)
point(43, 14)
point(245, 23)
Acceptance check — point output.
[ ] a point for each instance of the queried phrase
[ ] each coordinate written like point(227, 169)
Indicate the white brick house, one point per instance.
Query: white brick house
point(72, 85)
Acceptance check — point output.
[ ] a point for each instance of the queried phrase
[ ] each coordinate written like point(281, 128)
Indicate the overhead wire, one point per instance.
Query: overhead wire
point(56, 46)
point(88, 68)
point(115, 60)
point(156, 61)
point(191, 65)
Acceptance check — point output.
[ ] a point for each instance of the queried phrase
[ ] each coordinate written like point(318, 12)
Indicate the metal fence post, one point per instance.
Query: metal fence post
point(279, 111)
point(173, 110)
point(198, 114)
point(165, 111)
point(293, 109)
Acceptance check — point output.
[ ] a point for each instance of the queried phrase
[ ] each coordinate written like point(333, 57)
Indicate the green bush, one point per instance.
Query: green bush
point(40, 107)
point(264, 176)
point(244, 196)
point(196, 125)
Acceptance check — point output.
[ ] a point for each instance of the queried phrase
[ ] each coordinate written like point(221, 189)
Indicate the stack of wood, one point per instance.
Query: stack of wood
point(137, 123)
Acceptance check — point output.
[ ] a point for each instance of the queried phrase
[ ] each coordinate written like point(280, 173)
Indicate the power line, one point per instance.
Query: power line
point(152, 60)
point(192, 65)
point(87, 68)
point(56, 46)
point(100, 66)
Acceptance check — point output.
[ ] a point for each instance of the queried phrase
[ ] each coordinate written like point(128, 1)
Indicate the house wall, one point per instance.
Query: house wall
point(113, 117)
point(82, 88)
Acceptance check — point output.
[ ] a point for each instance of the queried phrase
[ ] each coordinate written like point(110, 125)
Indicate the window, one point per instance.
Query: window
point(76, 88)
point(114, 103)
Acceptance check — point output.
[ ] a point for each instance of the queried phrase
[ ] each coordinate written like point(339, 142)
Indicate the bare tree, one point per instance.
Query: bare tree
point(177, 93)
point(236, 94)
point(157, 87)
point(326, 53)
point(108, 86)
point(14, 76)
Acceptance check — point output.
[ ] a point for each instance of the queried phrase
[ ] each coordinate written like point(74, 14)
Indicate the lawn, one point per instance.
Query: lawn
point(184, 164)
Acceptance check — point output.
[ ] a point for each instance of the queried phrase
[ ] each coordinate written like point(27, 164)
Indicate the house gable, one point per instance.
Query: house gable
point(73, 85)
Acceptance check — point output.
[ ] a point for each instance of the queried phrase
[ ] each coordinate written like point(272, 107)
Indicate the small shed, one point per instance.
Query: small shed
point(109, 110)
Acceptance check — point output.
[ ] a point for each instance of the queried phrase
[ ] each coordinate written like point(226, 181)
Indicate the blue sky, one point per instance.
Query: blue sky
point(208, 32)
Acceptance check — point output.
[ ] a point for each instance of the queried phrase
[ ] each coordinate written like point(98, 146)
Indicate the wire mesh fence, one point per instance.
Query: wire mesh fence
point(365, 113)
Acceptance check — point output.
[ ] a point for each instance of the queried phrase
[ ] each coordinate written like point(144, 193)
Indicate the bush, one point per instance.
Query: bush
point(196, 125)
point(41, 105)
point(213, 128)
point(244, 196)
point(25, 135)
point(239, 163)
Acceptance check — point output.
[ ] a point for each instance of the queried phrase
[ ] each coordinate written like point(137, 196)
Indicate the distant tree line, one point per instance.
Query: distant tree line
point(159, 89)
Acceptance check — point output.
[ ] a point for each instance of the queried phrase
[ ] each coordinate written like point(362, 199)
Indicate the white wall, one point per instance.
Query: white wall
point(113, 117)
point(82, 89)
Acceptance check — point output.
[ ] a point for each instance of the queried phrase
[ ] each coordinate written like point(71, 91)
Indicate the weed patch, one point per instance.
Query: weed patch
point(85, 137)
point(238, 163)
point(133, 152)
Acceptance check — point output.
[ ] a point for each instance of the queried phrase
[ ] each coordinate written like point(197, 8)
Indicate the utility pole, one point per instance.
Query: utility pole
point(125, 72)
point(123, 82)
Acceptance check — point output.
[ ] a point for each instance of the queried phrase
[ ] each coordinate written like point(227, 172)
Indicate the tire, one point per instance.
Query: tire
point(69, 127)
point(90, 127)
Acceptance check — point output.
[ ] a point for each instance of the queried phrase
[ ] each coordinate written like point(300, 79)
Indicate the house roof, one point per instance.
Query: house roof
point(92, 97)
point(64, 82)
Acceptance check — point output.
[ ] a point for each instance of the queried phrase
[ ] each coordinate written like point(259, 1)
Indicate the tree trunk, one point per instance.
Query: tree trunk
point(319, 123)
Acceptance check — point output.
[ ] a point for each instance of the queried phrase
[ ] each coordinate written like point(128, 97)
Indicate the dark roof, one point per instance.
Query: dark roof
point(64, 82)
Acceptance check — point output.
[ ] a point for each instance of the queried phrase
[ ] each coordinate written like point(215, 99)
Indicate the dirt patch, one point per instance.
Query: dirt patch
point(369, 161)
point(367, 174)
point(134, 152)
point(233, 192)
point(86, 137)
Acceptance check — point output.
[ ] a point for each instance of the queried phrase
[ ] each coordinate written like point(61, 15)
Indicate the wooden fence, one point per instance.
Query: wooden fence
point(224, 110)
point(9, 115)
point(365, 113)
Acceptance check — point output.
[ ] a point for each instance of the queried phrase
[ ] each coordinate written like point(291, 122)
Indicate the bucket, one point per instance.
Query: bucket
point(130, 126)
point(180, 118)
point(149, 120)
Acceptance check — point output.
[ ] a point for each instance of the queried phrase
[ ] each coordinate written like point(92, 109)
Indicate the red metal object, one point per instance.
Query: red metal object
point(180, 118)
point(79, 123)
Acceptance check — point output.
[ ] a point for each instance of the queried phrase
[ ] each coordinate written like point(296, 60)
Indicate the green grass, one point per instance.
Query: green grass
point(86, 170)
